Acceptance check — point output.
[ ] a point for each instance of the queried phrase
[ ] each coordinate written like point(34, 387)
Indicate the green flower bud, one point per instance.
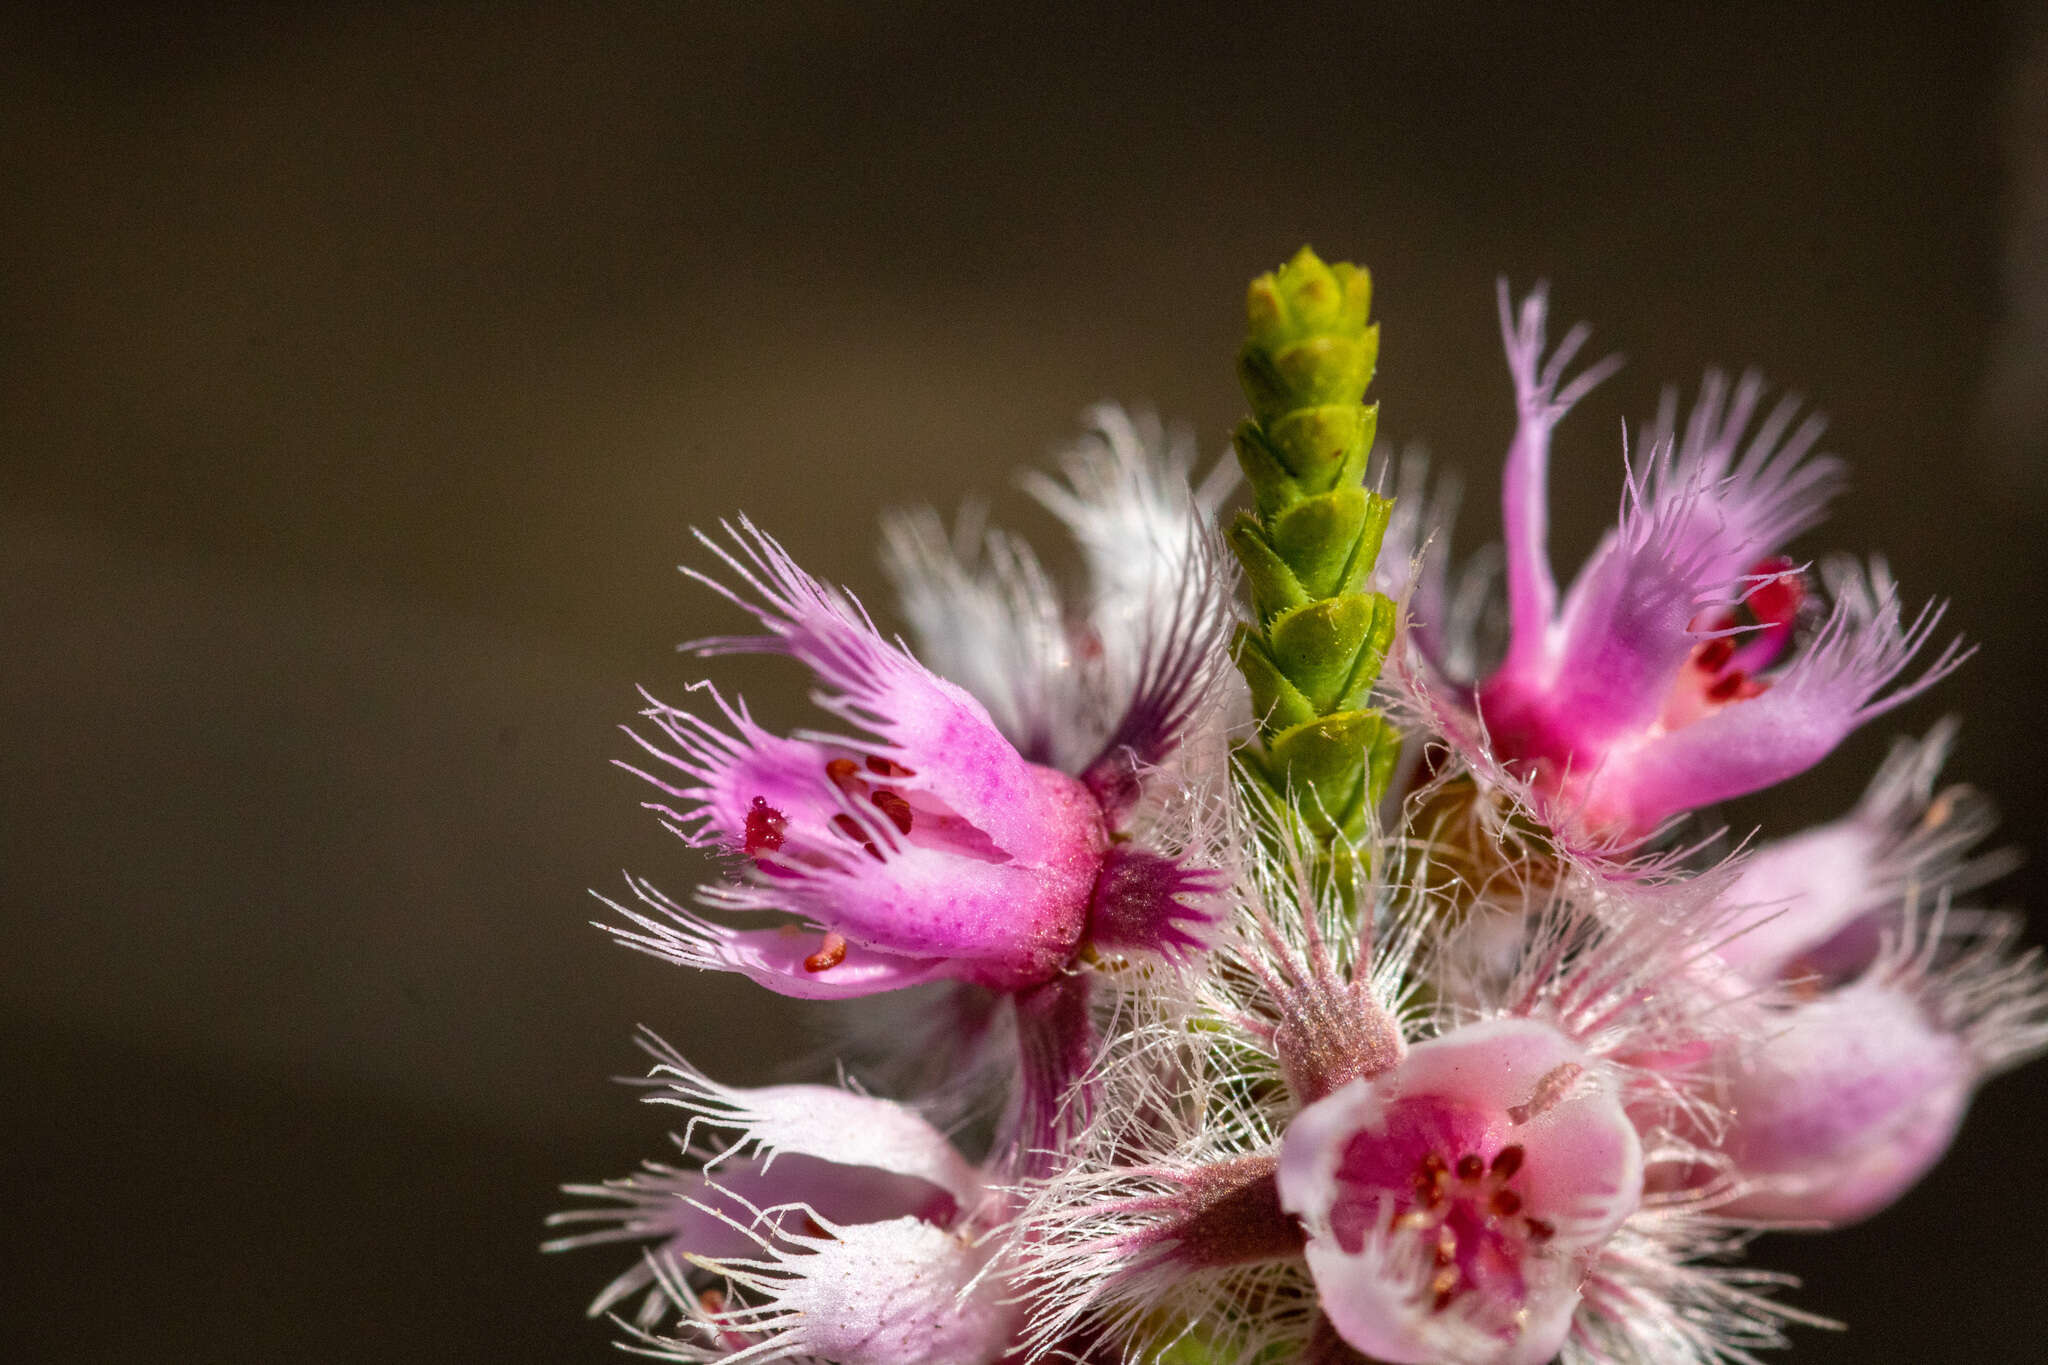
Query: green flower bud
point(1308, 548)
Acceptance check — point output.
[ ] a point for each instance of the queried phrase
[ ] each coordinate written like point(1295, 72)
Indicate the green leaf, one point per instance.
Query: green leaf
point(1317, 646)
point(1275, 588)
point(1276, 701)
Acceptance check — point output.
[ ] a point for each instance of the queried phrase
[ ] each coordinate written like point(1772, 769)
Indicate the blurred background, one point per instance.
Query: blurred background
point(362, 368)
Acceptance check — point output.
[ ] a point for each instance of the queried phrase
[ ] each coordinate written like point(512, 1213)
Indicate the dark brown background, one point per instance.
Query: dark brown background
point(364, 366)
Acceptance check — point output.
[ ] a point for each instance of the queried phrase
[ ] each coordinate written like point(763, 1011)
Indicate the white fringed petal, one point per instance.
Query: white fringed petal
point(900, 1292)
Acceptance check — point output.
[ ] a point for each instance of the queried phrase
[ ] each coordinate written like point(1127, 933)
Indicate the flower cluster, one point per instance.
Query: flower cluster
point(1334, 984)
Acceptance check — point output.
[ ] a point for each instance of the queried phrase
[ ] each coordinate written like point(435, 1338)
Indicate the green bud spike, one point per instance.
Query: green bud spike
point(1308, 548)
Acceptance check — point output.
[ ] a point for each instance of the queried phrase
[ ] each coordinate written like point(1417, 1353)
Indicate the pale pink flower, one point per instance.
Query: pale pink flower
point(1467, 1183)
point(1814, 906)
point(1454, 1203)
point(1894, 1007)
point(1844, 1106)
point(829, 1225)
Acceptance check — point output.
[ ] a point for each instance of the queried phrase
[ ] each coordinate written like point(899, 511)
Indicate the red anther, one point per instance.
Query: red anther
point(764, 828)
point(711, 1300)
point(1471, 1166)
point(1507, 1161)
point(829, 956)
point(1505, 1203)
point(850, 827)
point(1539, 1230)
point(1776, 602)
point(895, 807)
point(1713, 656)
point(882, 767)
point(844, 773)
point(1729, 686)
point(1735, 686)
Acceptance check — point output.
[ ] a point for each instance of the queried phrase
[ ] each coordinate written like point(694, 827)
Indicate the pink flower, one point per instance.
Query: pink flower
point(1845, 1105)
point(833, 1225)
point(1466, 1179)
point(1856, 1076)
point(1453, 1203)
point(1688, 663)
point(1847, 1094)
point(919, 845)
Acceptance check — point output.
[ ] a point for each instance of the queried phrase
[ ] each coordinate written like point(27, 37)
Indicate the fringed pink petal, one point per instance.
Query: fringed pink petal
point(821, 1121)
point(792, 961)
point(778, 1163)
point(1623, 639)
point(900, 1292)
point(1838, 682)
point(1103, 685)
point(1815, 902)
point(1721, 500)
point(720, 1212)
point(874, 684)
point(1542, 397)
point(1124, 494)
point(984, 614)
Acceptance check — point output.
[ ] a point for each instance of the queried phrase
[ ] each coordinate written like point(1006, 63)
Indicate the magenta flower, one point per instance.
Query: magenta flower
point(921, 845)
point(1689, 662)
point(1453, 1203)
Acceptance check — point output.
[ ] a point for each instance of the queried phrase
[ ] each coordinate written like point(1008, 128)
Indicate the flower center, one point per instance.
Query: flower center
point(1747, 638)
point(1469, 1215)
point(917, 817)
